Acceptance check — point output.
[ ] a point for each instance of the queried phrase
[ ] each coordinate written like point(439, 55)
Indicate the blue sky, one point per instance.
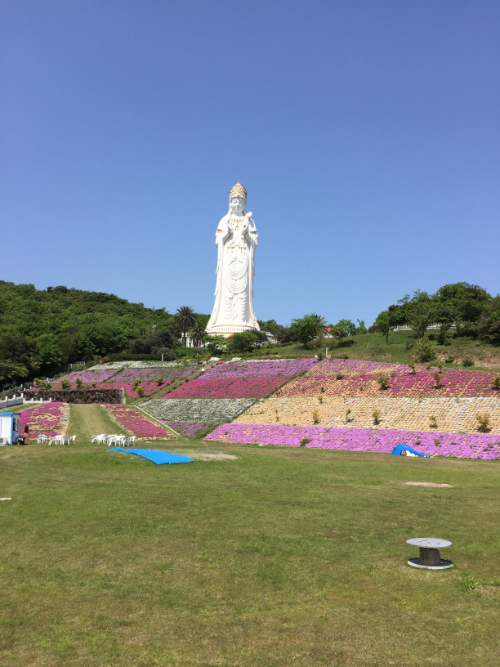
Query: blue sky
point(366, 133)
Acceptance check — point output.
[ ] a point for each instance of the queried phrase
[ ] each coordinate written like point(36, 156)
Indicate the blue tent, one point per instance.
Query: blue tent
point(154, 455)
point(406, 448)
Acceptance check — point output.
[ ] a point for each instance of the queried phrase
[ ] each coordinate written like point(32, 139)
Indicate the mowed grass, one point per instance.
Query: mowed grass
point(282, 557)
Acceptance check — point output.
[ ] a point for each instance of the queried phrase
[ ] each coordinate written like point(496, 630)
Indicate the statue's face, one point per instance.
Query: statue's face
point(237, 205)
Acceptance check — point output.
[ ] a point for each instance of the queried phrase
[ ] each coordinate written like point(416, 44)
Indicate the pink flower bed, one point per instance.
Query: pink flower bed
point(151, 374)
point(149, 387)
point(132, 421)
point(258, 369)
point(43, 419)
point(230, 388)
point(400, 383)
point(470, 446)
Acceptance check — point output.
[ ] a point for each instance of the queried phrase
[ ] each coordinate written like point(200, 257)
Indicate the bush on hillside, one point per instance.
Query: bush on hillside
point(424, 350)
point(489, 322)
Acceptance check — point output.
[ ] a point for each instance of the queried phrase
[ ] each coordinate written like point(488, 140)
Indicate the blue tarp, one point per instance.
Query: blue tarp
point(154, 455)
point(406, 448)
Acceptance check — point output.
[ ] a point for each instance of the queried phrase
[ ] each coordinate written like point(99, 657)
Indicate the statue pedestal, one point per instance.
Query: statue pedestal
point(227, 330)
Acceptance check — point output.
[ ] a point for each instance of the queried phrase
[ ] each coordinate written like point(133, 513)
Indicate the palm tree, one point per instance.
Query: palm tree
point(319, 323)
point(185, 318)
point(197, 333)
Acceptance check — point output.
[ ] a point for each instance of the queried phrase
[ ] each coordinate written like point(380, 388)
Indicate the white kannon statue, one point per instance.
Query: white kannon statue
point(236, 241)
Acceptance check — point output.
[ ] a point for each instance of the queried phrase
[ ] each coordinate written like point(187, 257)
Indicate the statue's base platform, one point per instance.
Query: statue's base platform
point(228, 330)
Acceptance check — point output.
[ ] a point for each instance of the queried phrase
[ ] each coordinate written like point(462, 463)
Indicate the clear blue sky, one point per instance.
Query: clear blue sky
point(366, 133)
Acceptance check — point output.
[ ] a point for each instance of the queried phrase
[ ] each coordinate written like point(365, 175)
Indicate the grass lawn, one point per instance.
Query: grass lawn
point(281, 557)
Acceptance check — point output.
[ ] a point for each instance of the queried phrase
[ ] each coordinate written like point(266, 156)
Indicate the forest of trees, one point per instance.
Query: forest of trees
point(469, 308)
point(41, 331)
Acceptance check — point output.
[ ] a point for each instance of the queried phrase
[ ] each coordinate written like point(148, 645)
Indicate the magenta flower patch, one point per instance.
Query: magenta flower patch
point(228, 388)
point(132, 421)
point(258, 369)
point(45, 419)
point(465, 445)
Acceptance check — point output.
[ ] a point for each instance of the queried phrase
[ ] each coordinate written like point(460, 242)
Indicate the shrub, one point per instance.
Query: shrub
point(315, 417)
point(140, 390)
point(412, 367)
point(347, 413)
point(376, 417)
point(66, 384)
point(467, 361)
point(79, 383)
point(424, 350)
point(339, 376)
point(496, 382)
point(449, 359)
point(304, 442)
point(320, 399)
point(438, 377)
point(383, 381)
point(159, 381)
point(483, 419)
point(323, 389)
point(489, 322)
point(433, 421)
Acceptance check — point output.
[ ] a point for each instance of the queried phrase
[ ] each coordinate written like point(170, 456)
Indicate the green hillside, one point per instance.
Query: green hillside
point(41, 331)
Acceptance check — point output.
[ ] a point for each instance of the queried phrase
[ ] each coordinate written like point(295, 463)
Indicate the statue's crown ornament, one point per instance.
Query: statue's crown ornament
point(238, 191)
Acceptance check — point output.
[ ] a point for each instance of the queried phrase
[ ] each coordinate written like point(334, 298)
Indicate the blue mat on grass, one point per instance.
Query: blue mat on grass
point(400, 448)
point(154, 455)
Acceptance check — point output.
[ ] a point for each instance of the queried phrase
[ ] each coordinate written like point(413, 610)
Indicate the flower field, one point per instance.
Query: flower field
point(148, 387)
point(471, 446)
point(357, 367)
point(152, 374)
point(258, 369)
point(410, 414)
point(47, 419)
point(189, 429)
point(135, 423)
point(211, 410)
point(400, 383)
point(253, 387)
point(98, 375)
point(118, 365)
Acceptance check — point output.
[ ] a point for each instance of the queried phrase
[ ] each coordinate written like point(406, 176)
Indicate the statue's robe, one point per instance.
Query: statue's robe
point(235, 276)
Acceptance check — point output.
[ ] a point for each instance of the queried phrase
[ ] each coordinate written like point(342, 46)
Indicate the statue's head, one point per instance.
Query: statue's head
point(238, 199)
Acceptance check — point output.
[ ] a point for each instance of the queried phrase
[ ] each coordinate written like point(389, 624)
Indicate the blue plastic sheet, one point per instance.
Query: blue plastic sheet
point(154, 455)
point(406, 448)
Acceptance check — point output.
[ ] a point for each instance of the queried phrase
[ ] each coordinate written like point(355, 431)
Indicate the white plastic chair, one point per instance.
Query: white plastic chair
point(41, 438)
point(99, 438)
point(111, 440)
point(131, 440)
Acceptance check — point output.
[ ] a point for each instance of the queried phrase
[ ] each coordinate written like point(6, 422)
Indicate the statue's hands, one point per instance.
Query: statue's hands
point(230, 226)
point(246, 222)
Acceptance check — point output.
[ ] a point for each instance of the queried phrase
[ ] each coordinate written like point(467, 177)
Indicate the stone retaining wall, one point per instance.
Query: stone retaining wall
point(116, 396)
